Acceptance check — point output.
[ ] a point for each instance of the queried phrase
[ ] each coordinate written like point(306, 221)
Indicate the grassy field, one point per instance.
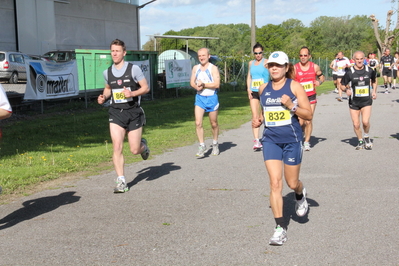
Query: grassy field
point(70, 139)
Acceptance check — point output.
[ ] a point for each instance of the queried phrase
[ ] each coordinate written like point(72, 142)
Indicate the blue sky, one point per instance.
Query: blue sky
point(164, 15)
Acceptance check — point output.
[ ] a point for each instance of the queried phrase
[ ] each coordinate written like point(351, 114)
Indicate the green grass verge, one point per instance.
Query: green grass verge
point(72, 139)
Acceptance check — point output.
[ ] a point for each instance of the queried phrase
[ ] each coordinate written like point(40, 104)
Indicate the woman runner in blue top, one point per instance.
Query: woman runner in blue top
point(283, 100)
point(257, 75)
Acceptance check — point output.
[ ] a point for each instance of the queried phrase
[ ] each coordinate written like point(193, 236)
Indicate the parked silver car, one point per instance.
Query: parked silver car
point(12, 66)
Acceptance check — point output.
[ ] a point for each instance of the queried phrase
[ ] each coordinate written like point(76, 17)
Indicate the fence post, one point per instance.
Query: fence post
point(84, 79)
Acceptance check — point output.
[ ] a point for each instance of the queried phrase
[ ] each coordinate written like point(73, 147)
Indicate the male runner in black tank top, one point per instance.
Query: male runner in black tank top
point(125, 83)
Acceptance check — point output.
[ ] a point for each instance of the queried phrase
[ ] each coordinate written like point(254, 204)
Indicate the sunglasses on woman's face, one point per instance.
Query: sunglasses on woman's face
point(258, 53)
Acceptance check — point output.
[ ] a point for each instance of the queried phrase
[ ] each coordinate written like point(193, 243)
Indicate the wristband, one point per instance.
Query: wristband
point(294, 108)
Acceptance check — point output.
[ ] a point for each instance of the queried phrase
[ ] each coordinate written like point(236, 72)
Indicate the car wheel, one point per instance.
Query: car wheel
point(14, 78)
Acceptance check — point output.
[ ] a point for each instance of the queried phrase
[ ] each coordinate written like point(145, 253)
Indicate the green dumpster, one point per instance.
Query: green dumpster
point(92, 63)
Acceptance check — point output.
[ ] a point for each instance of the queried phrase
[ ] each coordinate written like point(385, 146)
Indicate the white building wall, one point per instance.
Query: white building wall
point(7, 22)
point(44, 25)
point(36, 26)
point(93, 24)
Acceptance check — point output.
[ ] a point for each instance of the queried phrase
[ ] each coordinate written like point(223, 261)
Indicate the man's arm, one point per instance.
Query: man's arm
point(5, 107)
point(144, 89)
point(102, 98)
point(216, 79)
point(332, 64)
point(374, 84)
point(319, 74)
point(193, 81)
point(107, 92)
point(4, 114)
point(344, 82)
point(138, 76)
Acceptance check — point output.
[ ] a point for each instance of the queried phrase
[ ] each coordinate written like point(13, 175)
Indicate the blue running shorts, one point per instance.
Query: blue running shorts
point(289, 153)
point(208, 103)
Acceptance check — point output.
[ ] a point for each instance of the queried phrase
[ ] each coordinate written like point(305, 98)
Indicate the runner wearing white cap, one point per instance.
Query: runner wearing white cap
point(283, 100)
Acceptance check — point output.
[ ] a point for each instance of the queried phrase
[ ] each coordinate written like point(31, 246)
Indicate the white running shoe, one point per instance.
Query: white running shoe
point(201, 151)
point(121, 186)
point(301, 206)
point(360, 146)
point(215, 149)
point(367, 143)
point(279, 237)
point(306, 146)
point(257, 145)
point(386, 92)
point(335, 90)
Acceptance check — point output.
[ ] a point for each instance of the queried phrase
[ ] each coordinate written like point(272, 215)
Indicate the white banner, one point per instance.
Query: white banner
point(49, 80)
point(145, 67)
point(178, 73)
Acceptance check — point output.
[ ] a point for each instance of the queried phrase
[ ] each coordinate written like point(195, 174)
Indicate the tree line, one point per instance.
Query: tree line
point(325, 36)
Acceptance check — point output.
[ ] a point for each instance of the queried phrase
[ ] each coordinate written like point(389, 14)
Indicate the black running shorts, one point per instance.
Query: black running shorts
point(335, 76)
point(387, 72)
point(359, 105)
point(255, 95)
point(129, 119)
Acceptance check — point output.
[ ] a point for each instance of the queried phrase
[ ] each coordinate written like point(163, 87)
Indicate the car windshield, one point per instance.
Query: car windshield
point(49, 55)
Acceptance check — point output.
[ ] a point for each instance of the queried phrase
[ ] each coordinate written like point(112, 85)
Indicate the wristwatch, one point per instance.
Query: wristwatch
point(294, 108)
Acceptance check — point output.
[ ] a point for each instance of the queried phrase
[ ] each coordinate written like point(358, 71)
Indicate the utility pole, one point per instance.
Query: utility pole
point(253, 24)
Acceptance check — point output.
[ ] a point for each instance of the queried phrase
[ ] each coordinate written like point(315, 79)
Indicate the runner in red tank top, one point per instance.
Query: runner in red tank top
point(306, 73)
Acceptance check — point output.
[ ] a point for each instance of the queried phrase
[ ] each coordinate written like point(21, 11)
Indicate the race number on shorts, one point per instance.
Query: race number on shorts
point(256, 84)
point(308, 86)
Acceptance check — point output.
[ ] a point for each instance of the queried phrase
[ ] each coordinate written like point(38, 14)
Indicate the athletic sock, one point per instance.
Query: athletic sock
point(281, 222)
point(121, 178)
point(386, 86)
point(366, 135)
point(202, 144)
point(214, 142)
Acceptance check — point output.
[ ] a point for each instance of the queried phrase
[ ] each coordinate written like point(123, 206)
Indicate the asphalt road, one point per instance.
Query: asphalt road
point(12, 88)
point(214, 211)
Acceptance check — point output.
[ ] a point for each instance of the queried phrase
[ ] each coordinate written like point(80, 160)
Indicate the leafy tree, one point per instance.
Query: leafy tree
point(325, 37)
point(271, 37)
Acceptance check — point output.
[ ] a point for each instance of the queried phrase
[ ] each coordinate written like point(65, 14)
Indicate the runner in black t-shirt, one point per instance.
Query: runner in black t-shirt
point(357, 83)
point(386, 65)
